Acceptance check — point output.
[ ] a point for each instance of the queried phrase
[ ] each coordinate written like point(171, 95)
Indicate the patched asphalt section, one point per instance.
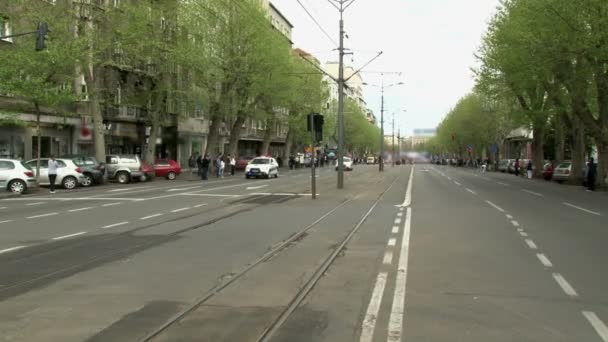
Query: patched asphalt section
point(130, 326)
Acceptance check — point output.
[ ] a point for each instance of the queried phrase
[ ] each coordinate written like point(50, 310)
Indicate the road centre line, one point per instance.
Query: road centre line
point(597, 324)
point(388, 258)
point(407, 201)
point(582, 209)
point(524, 234)
point(371, 316)
point(495, 206)
point(532, 192)
point(457, 183)
point(392, 242)
point(6, 221)
point(37, 203)
point(180, 209)
point(395, 324)
point(510, 217)
point(150, 216)
point(80, 209)
point(68, 236)
point(395, 229)
point(111, 204)
point(43, 215)
point(115, 225)
point(544, 260)
point(471, 191)
point(2, 251)
point(563, 283)
point(531, 244)
point(200, 205)
point(515, 223)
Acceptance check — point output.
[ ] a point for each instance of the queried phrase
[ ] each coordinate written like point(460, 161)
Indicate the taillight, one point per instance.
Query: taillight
point(79, 170)
point(29, 173)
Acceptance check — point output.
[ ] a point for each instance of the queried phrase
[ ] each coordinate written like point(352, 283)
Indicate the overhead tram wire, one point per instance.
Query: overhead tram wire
point(317, 23)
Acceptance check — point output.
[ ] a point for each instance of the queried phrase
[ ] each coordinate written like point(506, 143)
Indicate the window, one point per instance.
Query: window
point(6, 165)
point(5, 29)
point(111, 159)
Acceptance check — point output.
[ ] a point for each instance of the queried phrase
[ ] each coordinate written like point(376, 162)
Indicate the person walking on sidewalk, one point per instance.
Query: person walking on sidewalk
point(529, 169)
point(591, 174)
point(52, 167)
point(222, 166)
point(205, 162)
point(232, 165)
point(516, 166)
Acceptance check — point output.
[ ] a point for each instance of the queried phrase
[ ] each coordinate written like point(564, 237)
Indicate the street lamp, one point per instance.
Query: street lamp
point(398, 139)
point(382, 87)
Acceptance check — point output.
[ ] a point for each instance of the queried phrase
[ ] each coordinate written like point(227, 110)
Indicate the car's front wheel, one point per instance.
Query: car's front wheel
point(88, 180)
point(171, 176)
point(69, 182)
point(122, 177)
point(17, 186)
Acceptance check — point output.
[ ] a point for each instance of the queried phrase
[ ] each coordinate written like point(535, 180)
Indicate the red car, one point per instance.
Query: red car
point(167, 168)
point(242, 162)
point(548, 171)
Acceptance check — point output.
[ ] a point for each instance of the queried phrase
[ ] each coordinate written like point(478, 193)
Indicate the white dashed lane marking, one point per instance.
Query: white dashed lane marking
point(388, 258)
point(532, 193)
point(531, 244)
point(457, 183)
point(68, 236)
point(496, 207)
point(471, 191)
point(6, 221)
point(582, 209)
point(111, 204)
point(515, 223)
point(510, 217)
point(397, 221)
point(566, 287)
point(392, 242)
point(79, 209)
point(37, 203)
point(544, 260)
point(371, 316)
point(597, 324)
point(180, 209)
point(43, 215)
point(150, 216)
point(2, 251)
point(395, 229)
point(115, 225)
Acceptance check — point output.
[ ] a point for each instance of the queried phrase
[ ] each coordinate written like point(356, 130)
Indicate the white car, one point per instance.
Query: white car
point(348, 164)
point(262, 167)
point(16, 176)
point(68, 174)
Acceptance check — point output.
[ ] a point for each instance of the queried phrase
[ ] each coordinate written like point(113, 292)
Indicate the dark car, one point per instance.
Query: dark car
point(167, 168)
point(94, 172)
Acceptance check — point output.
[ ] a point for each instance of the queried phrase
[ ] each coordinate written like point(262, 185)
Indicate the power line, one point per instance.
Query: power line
point(317, 23)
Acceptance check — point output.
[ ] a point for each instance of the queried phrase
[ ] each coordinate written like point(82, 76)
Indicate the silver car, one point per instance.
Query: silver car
point(16, 176)
point(68, 174)
point(561, 173)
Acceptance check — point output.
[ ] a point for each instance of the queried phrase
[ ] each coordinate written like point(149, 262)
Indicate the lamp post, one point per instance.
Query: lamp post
point(382, 87)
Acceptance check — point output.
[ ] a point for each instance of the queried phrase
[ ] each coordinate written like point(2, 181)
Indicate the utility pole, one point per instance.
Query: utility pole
point(399, 141)
point(381, 159)
point(341, 102)
point(393, 154)
point(313, 180)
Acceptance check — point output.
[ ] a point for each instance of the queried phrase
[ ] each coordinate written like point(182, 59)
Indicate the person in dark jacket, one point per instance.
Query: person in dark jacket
point(591, 174)
point(516, 167)
point(205, 163)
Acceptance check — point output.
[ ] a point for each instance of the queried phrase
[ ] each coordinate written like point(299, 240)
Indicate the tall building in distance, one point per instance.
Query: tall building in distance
point(420, 137)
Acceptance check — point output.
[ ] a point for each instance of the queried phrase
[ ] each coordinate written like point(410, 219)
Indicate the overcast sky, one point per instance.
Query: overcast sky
point(431, 42)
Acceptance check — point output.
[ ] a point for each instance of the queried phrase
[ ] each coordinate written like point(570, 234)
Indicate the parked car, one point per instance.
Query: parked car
point(126, 168)
point(94, 172)
point(561, 172)
point(511, 166)
point(262, 167)
point(371, 160)
point(503, 165)
point(242, 162)
point(348, 164)
point(69, 175)
point(167, 168)
point(548, 171)
point(16, 176)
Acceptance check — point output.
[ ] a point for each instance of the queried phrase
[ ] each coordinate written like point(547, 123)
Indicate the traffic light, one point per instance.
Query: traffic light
point(317, 121)
point(41, 35)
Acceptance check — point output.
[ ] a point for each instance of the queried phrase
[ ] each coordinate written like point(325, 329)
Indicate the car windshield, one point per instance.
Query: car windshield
point(564, 165)
point(259, 161)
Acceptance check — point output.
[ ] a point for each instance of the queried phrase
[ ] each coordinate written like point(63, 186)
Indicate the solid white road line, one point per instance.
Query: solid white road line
point(129, 189)
point(388, 258)
point(68, 236)
point(111, 204)
point(79, 209)
point(582, 209)
point(392, 242)
point(398, 220)
point(6, 221)
point(180, 209)
point(395, 324)
point(395, 229)
point(457, 183)
point(544, 260)
point(515, 223)
point(471, 191)
point(510, 217)
point(200, 205)
point(43, 215)
point(408, 193)
point(115, 225)
point(597, 324)
point(566, 287)
point(210, 195)
point(2, 251)
point(150, 216)
point(532, 192)
point(371, 316)
point(495, 206)
point(37, 203)
point(531, 244)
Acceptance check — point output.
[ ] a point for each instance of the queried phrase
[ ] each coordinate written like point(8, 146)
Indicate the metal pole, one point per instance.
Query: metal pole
point(393, 139)
point(341, 104)
point(313, 179)
point(381, 159)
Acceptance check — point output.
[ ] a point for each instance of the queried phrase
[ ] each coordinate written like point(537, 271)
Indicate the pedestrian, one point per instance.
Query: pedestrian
point(232, 165)
point(217, 165)
point(291, 162)
point(52, 170)
point(516, 166)
point(591, 174)
point(221, 168)
point(529, 169)
point(199, 165)
point(205, 163)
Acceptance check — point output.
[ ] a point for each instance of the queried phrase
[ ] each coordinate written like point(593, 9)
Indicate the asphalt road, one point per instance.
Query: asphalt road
point(424, 253)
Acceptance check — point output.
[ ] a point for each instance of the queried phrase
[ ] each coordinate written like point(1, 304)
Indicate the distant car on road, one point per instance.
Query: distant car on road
point(167, 168)
point(348, 164)
point(16, 176)
point(561, 173)
point(93, 171)
point(262, 167)
point(69, 175)
point(126, 168)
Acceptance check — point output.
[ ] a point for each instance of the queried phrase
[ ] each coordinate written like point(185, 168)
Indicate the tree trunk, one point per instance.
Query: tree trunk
point(578, 151)
point(288, 145)
point(150, 152)
point(602, 162)
point(560, 138)
point(538, 154)
point(38, 140)
point(214, 133)
point(268, 135)
point(235, 134)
